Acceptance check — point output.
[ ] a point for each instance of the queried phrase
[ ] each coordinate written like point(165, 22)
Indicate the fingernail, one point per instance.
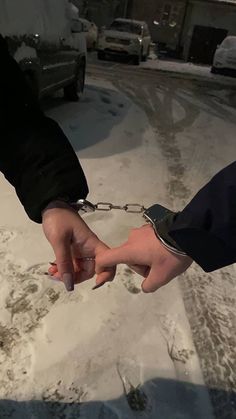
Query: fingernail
point(68, 281)
point(98, 286)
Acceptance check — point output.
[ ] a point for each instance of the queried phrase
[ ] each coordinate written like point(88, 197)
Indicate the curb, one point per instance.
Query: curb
point(223, 80)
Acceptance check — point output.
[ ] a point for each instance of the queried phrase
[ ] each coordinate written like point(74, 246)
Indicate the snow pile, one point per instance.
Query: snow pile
point(189, 69)
point(72, 11)
point(24, 52)
point(27, 17)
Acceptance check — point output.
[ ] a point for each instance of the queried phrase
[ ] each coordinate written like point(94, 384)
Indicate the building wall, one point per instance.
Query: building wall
point(168, 13)
point(102, 12)
point(207, 14)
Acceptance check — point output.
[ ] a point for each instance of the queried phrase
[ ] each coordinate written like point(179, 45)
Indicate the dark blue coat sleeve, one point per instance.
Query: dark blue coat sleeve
point(206, 228)
point(35, 155)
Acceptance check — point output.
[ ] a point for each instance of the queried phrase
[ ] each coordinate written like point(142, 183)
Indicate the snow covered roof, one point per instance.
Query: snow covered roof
point(46, 18)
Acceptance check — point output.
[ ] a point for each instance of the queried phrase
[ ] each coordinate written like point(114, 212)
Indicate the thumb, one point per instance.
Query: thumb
point(65, 266)
point(153, 282)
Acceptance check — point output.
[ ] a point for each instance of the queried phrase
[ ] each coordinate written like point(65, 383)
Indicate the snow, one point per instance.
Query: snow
point(175, 66)
point(226, 1)
point(76, 40)
point(24, 52)
point(189, 69)
point(67, 346)
point(49, 20)
point(72, 11)
point(46, 18)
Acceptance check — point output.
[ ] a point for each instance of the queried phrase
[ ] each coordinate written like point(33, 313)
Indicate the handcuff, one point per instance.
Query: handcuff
point(155, 215)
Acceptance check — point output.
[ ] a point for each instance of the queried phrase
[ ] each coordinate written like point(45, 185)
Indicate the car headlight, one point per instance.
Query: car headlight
point(137, 41)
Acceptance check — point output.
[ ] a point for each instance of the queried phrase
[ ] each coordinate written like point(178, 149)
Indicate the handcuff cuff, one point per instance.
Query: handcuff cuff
point(155, 215)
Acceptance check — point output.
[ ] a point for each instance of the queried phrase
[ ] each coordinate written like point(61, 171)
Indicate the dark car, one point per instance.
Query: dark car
point(48, 43)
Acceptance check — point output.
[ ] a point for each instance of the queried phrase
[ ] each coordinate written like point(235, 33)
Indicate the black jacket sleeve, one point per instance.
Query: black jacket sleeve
point(206, 228)
point(35, 155)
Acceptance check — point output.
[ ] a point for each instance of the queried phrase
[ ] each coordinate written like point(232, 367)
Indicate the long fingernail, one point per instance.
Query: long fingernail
point(98, 286)
point(68, 281)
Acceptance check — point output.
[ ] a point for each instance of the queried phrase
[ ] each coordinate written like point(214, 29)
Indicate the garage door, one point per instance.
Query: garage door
point(204, 43)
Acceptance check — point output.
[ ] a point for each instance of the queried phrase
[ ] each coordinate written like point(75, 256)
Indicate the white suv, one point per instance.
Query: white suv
point(127, 38)
point(225, 56)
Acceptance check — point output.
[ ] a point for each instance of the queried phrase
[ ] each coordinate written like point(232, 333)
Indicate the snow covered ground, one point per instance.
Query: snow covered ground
point(57, 349)
point(188, 69)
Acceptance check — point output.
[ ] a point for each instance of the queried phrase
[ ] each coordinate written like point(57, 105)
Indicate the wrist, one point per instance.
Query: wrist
point(81, 206)
point(59, 203)
point(162, 219)
point(171, 248)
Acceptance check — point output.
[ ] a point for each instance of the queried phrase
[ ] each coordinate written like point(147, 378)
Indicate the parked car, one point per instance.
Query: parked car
point(127, 38)
point(225, 56)
point(47, 41)
point(91, 33)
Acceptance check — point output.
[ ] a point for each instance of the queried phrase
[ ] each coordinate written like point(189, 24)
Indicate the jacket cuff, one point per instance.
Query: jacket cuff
point(50, 188)
point(203, 246)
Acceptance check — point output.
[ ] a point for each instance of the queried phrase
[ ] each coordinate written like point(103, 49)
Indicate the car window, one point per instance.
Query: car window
point(126, 27)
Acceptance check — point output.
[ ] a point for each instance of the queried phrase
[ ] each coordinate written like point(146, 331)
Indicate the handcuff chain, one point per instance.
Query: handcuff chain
point(129, 208)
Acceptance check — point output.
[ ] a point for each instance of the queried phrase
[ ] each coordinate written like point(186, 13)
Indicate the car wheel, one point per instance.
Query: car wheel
point(143, 57)
point(81, 79)
point(101, 55)
point(73, 91)
point(136, 59)
point(32, 84)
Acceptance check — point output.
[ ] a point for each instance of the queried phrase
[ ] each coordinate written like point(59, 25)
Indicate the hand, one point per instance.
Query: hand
point(72, 240)
point(145, 254)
